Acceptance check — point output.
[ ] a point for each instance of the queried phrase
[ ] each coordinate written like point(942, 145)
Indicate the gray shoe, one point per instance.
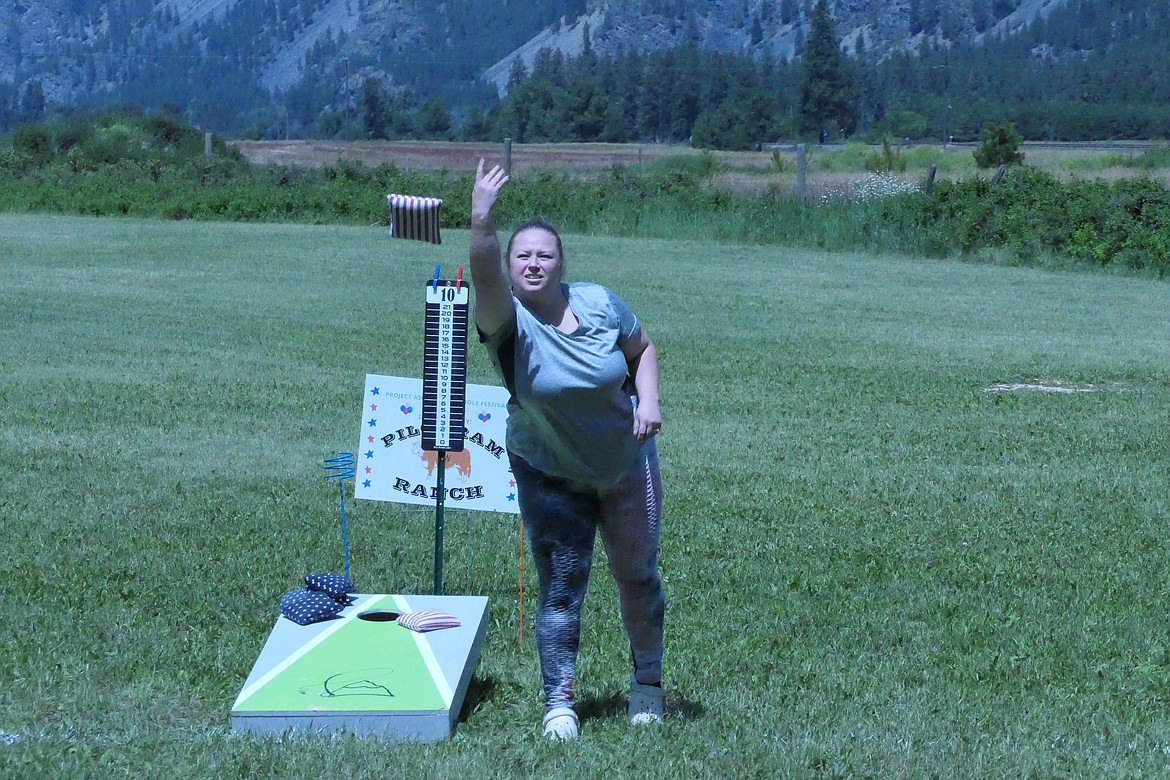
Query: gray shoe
point(647, 703)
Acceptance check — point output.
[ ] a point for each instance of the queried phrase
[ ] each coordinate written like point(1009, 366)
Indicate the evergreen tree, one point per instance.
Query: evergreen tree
point(614, 131)
point(981, 15)
point(757, 31)
point(737, 125)
point(374, 118)
point(685, 100)
point(586, 64)
point(1001, 8)
point(434, 121)
point(952, 25)
point(32, 104)
point(789, 11)
point(653, 120)
point(720, 128)
point(549, 65)
point(8, 106)
point(759, 115)
point(401, 120)
point(516, 74)
point(623, 82)
point(1001, 146)
point(584, 110)
point(477, 126)
point(929, 15)
point(828, 101)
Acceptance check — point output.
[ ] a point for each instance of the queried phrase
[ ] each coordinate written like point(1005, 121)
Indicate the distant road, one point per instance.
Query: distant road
point(1101, 146)
point(1104, 145)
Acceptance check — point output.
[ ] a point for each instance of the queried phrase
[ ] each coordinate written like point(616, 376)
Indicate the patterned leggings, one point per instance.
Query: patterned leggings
point(561, 521)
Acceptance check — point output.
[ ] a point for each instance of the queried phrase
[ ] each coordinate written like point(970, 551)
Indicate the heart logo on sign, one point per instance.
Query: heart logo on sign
point(484, 417)
point(406, 409)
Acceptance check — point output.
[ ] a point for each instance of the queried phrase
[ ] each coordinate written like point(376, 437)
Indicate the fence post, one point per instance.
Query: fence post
point(507, 156)
point(801, 170)
point(930, 178)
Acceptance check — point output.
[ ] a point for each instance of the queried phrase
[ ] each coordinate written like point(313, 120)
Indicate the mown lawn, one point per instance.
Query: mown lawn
point(884, 558)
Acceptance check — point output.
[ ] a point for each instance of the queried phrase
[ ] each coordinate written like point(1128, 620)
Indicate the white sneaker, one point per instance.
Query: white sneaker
point(647, 703)
point(560, 723)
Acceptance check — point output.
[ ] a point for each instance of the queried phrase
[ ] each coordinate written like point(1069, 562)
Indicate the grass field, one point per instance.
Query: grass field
point(916, 519)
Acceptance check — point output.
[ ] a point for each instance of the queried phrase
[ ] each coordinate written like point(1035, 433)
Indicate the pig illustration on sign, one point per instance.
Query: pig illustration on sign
point(457, 460)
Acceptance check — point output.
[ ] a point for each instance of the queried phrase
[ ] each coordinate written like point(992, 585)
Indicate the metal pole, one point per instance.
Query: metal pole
point(344, 535)
point(801, 170)
point(442, 490)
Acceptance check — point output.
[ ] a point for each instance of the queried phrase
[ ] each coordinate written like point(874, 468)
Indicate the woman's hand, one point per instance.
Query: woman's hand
point(642, 359)
point(647, 421)
point(486, 192)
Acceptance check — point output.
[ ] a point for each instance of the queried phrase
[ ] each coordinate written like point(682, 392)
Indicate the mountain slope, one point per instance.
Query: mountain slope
point(336, 18)
point(57, 40)
point(229, 64)
point(881, 28)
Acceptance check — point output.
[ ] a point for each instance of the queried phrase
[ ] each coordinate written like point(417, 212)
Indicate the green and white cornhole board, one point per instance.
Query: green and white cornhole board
point(364, 676)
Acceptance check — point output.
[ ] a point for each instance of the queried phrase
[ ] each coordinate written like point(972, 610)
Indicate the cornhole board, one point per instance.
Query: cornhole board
point(365, 675)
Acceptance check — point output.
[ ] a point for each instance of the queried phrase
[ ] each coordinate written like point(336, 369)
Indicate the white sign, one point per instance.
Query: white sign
point(393, 466)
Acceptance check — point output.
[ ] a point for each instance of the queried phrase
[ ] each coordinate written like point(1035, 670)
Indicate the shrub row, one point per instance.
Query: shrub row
point(1028, 216)
point(1032, 216)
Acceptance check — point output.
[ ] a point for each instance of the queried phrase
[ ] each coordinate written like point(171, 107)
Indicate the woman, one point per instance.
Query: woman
point(581, 446)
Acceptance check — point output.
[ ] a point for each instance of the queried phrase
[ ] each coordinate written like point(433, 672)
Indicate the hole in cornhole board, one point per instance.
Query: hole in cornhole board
point(379, 616)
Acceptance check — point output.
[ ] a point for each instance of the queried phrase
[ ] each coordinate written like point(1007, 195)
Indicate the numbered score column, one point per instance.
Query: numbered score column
point(445, 367)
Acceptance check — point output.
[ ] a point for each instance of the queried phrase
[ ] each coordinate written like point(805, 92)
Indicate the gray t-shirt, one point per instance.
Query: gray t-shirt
point(571, 410)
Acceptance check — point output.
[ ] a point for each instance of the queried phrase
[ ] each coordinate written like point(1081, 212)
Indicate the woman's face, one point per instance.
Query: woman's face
point(535, 263)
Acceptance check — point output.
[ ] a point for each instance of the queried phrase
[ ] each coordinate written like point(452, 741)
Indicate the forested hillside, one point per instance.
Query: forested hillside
point(729, 72)
point(1051, 78)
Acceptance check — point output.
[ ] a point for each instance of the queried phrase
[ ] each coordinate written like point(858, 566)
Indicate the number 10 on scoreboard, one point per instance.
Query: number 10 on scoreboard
point(445, 366)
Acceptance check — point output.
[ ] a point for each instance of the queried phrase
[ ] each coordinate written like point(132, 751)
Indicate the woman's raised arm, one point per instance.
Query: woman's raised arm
point(493, 290)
